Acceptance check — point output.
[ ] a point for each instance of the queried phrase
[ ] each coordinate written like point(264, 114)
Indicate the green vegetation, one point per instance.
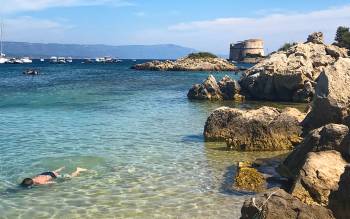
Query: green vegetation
point(343, 37)
point(201, 55)
point(286, 46)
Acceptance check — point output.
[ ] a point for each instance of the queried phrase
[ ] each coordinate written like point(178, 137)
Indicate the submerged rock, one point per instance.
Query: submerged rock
point(332, 98)
point(248, 178)
point(226, 89)
point(264, 129)
point(291, 75)
point(276, 204)
point(188, 64)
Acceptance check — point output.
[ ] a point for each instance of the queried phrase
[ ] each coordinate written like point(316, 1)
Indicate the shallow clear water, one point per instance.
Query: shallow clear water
point(137, 133)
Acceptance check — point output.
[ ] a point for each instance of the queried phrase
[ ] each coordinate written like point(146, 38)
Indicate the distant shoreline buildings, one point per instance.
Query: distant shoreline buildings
point(251, 51)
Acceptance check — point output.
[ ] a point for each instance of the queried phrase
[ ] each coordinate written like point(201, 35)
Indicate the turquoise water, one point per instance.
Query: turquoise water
point(136, 132)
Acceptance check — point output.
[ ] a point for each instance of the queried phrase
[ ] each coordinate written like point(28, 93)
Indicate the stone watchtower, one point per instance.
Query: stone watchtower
point(248, 49)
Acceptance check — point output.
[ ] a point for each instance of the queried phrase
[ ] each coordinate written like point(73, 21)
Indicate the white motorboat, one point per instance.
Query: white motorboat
point(69, 60)
point(42, 60)
point(100, 60)
point(53, 59)
point(3, 59)
point(61, 60)
point(26, 60)
point(14, 61)
point(108, 59)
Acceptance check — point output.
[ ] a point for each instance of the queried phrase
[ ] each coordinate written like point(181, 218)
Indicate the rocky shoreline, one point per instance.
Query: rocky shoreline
point(189, 63)
point(317, 169)
point(289, 76)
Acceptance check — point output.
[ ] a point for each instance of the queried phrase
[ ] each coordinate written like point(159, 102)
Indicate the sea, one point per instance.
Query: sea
point(136, 132)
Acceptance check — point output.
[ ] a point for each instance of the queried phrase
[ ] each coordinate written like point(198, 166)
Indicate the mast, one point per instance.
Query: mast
point(1, 35)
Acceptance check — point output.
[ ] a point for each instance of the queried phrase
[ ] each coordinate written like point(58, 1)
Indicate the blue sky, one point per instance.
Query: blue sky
point(206, 25)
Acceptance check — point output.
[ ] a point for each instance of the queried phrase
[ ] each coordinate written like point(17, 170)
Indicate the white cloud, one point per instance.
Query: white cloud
point(276, 29)
point(14, 6)
point(30, 29)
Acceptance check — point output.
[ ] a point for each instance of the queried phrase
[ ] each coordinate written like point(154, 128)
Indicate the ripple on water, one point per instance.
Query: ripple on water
point(136, 131)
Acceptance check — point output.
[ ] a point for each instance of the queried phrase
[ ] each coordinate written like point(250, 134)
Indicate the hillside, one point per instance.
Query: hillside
point(36, 50)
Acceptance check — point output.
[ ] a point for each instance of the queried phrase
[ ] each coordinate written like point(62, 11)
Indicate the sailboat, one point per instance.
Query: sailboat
point(3, 58)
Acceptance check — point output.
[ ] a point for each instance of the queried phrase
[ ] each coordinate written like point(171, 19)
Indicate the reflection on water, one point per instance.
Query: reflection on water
point(137, 133)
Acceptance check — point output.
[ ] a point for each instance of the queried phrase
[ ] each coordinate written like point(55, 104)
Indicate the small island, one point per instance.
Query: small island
point(202, 61)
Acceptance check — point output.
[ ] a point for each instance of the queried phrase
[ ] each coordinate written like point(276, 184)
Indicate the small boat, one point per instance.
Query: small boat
point(99, 60)
point(14, 61)
point(87, 61)
point(3, 58)
point(134, 60)
point(53, 59)
point(31, 72)
point(69, 60)
point(61, 60)
point(108, 59)
point(42, 60)
point(26, 60)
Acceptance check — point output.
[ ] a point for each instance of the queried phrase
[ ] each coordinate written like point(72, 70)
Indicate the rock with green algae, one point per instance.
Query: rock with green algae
point(263, 129)
point(248, 178)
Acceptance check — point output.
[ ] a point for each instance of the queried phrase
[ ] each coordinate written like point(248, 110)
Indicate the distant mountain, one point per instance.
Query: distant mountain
point(37, 50)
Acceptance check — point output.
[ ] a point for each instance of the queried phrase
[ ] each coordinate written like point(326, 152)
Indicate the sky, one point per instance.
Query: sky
point(205, 25)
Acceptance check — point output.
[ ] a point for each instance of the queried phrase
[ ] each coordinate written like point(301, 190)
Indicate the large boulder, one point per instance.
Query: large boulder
point(264, 129)
point(276, 204)
point(291, 75)
point(316, 37)
point(331, 102)
point(339, 200)
point(210, 89)
point(329, 137)
point(319, 176)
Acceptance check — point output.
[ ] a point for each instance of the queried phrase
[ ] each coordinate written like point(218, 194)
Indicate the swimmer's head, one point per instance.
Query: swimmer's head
point(27, 182)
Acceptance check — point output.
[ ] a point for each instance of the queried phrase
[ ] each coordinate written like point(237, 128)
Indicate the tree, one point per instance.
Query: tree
point(201, 55)
point(286, 46)
point(342, 37)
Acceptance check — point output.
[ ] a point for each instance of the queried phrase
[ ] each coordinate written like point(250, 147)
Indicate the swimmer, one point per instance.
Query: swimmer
point(49, 177)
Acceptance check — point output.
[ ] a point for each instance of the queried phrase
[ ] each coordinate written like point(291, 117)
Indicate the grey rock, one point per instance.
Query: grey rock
point(276, 204)
point(332, 95)
point(319, 176)
point(329, 137)
point(316, 37)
